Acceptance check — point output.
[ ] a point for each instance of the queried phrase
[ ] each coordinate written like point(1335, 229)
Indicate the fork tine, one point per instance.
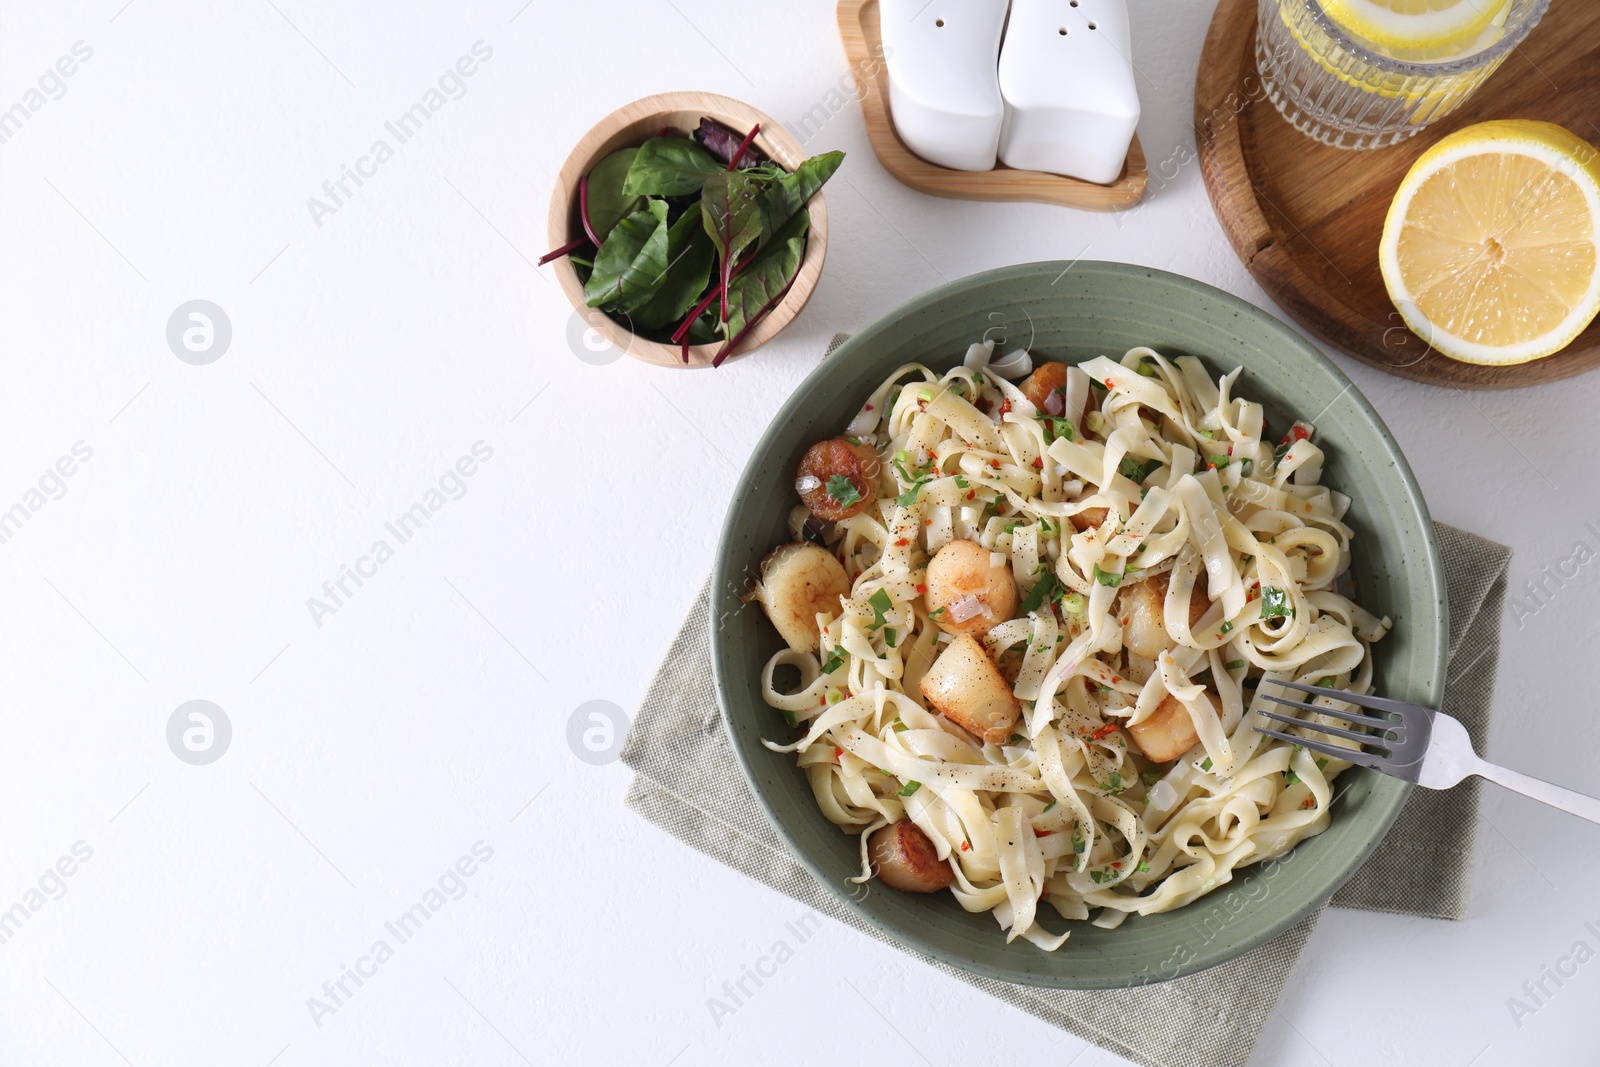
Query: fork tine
point(1364, 759)
point(1334, 730)
point(1347, 716)
point(1366, 700)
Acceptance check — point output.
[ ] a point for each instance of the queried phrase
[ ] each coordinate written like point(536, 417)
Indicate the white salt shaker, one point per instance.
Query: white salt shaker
point(1066, 75)
point(944, 86)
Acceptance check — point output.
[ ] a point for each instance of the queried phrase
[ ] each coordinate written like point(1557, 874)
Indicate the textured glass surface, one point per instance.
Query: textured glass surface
point(1340, 91)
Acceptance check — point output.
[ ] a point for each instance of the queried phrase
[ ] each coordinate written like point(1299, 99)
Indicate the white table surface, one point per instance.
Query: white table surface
point(429, 711)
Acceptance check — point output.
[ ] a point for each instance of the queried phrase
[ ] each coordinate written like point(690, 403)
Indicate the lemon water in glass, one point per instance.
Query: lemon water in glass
point(1370, 73)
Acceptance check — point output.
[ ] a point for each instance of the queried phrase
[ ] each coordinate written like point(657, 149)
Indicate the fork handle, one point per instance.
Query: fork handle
point(1585, 807)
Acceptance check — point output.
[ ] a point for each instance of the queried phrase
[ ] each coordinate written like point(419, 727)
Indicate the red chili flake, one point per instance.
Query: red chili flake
point(901, 542)
point(1308, 802)
point(1005, 407)
point(1038, 463)
point(1299, 432)
point(1210, 466)
point(927, 522)
point(965, 846)
point(1043, 833)
point(1110, 384)
point(1105, 731)
point(971, 493)
point(1117, 866)
point(869, 407)
point(1230, 450)
point(995, 464)
point(837, 753)
point(922, 589)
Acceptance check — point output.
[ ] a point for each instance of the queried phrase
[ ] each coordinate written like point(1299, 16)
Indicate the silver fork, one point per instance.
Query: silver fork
point(1413, 743)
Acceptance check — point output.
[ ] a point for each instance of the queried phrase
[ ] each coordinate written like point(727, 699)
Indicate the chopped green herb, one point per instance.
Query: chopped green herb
point(1050, 805)
point(880, 603)
point(1322, 763)
point(1247, 467)
point(1275, 603)
point(910, 787)
point(909, 497)
point(1227, 628)
point(1145, 370)
point(1219, 460)
point(788, 716)
point(1206, 766)
point(1290, 778)
point(1143, 867)
point(1326, 681)
point(1137, 470)
point(961, 483)
point(1153, 774)
point(1078, 843)
point(890, 638)
point(1057, 426)
point(842, 490)
point(834, 662)
point(1113, 785)
point(1113, 579)
point(1015, 739)
point(899, 726)
point(935, 613)
point(1235, 664)
point(1047, 590)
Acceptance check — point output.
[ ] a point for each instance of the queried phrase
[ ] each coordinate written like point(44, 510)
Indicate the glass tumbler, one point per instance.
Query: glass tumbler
point(1343, 91)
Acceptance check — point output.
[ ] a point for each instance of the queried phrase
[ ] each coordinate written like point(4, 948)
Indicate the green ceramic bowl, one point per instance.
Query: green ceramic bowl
point(1088, 310)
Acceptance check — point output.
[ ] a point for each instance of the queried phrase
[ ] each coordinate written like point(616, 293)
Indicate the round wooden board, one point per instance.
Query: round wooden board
point(860, 31)
point(1306, 219)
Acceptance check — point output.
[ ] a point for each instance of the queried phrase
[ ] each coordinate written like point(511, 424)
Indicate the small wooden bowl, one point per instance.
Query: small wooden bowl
point(634, 124)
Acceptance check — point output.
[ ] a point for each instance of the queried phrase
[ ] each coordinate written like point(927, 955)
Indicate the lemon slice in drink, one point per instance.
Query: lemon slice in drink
point(1491, 251)
point(1417, 29)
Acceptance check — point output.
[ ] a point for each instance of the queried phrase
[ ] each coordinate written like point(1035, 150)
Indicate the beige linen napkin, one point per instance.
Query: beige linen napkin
point(689, 783)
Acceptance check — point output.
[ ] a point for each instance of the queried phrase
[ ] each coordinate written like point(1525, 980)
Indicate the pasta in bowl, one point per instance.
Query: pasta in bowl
point(1041, 603)
point(1031, 630)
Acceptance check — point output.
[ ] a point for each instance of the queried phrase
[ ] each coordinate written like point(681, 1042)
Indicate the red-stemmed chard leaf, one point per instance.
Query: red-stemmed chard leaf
point(630, 266)
point(744, 146)
point(565, 250)
point(730, 204)
point(583, 210)
point(759, 289)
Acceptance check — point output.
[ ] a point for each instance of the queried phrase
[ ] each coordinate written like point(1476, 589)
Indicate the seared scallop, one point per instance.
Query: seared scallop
point(1169, 731)
point(975, 594)
point(797, 582)
point(969, 690)
point(838, 478)
point(903, 858)
point(1143, 609)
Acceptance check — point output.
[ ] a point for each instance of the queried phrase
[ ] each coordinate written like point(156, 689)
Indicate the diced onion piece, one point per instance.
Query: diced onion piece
point(968, 607)
point(1162, 796)
point(978, 354)
point(1055, 403)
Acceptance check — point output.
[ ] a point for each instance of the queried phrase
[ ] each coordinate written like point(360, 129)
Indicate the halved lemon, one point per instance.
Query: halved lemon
point(1417, 29)
point(1491, 251)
